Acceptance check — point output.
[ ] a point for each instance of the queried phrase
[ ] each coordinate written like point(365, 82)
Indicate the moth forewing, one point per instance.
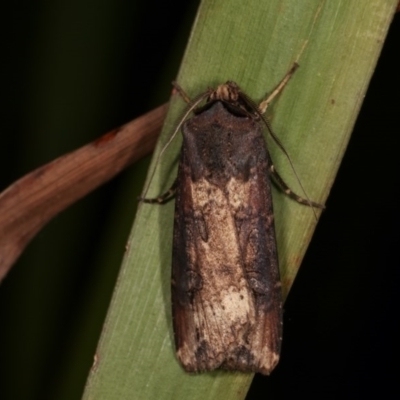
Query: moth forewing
point(225, 293)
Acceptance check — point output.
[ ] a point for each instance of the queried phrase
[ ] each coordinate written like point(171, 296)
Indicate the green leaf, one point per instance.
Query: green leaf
point(254, 43)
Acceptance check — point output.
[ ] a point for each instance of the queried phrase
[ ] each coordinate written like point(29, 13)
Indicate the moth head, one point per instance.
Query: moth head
point(228, 91)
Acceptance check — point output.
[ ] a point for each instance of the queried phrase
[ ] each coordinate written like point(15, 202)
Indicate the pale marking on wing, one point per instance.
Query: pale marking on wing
point(227, 301)
point(224, 311)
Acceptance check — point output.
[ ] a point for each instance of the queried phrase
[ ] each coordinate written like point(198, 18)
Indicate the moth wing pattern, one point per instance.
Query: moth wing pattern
point(226, 294)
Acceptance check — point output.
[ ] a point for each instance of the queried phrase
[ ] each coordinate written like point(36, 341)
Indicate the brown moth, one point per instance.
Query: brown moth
point(226, 290)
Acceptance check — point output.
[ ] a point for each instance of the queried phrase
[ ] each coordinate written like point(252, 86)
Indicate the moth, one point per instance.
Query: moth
point(226, 290)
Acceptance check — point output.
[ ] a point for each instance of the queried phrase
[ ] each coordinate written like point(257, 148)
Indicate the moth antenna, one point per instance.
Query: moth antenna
point(264, 104)
point(254, 106)
point(189, 109)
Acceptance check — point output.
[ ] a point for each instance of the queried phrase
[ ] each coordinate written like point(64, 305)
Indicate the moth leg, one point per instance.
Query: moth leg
point(285, 189)
point(181, 92)
point(164, 198)
point(265, 103)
